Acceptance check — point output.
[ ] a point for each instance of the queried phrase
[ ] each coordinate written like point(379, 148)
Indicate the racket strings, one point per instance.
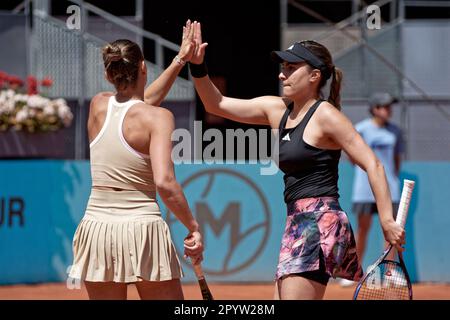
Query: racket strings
point(386, 282)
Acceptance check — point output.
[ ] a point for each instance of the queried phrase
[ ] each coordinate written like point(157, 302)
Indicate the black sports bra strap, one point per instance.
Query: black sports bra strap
point(310, 112)
point(285, 116)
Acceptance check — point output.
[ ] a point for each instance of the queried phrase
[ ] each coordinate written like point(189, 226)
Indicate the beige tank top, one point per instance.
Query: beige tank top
point(114, 163)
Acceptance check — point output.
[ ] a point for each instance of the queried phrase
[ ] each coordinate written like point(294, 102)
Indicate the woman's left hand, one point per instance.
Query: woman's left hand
point(188, 44)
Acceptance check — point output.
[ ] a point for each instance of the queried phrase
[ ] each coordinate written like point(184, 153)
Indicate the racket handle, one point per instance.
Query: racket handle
point(198, 271)
point(402, 213)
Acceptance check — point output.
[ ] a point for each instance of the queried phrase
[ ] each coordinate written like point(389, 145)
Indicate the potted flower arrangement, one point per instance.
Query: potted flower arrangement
point(30, 122)
point(30, 111)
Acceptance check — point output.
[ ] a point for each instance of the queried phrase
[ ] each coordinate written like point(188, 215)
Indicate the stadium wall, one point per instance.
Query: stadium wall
point(242, 212)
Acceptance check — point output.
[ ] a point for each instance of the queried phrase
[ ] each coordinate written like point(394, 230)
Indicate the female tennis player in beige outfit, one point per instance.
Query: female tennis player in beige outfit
point(122, 238)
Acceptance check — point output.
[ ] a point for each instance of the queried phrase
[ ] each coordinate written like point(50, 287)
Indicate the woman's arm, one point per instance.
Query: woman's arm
point(339, 128)
point(253, 111)
point(158, 89)
point(161, 127)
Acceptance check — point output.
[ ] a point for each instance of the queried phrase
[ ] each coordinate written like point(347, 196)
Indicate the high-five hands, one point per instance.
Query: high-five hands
point(200, 47)
point(188, 44)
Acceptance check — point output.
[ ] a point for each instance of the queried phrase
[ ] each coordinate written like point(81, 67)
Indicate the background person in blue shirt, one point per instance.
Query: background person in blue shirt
point(385, 139)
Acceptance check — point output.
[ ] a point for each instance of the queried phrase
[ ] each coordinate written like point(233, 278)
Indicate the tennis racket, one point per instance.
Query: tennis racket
point(387, 279)
point(206, 293)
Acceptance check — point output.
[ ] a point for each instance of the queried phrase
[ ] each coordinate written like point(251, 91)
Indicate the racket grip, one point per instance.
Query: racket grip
point(402, 213)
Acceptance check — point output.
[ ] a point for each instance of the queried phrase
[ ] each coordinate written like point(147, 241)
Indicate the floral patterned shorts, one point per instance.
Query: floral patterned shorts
point(317, 228)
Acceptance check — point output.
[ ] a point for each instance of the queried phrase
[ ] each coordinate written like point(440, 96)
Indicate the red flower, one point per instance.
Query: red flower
point(46, 82)
point(15, 81)
point(3, 76)
point(32, 85)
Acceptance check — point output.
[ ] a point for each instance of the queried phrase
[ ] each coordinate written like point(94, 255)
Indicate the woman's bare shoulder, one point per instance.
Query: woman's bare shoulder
point(328, 112)
point(332, 120)
point(101, 99)
point(105, 94)
point(156, 116)
point(274, 107)
point(99, 104)
point(102, 95)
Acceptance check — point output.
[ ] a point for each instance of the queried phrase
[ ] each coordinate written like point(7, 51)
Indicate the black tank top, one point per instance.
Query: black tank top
point(308, 171)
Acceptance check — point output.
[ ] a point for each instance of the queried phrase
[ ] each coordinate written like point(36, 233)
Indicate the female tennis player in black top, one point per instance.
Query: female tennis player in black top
point(318, 241)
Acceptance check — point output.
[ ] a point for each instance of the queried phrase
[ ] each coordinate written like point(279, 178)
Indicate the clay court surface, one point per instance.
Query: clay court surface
point(58, 291)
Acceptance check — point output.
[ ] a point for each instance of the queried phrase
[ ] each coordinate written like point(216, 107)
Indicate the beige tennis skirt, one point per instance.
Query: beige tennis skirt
point(123, 238)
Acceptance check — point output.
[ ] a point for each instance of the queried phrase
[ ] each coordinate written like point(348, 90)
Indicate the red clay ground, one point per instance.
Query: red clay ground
point(58, 291)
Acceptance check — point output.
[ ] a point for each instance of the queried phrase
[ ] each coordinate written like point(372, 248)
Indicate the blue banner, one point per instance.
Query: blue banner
point(41, 203)
point(241, 212)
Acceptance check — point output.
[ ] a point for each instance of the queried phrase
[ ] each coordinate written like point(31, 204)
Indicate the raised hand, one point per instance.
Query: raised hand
point(200, 47)
point(188, 44)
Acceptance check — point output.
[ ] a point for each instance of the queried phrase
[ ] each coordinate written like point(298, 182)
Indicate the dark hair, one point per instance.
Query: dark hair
point(122, 59)
point(323, 54)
